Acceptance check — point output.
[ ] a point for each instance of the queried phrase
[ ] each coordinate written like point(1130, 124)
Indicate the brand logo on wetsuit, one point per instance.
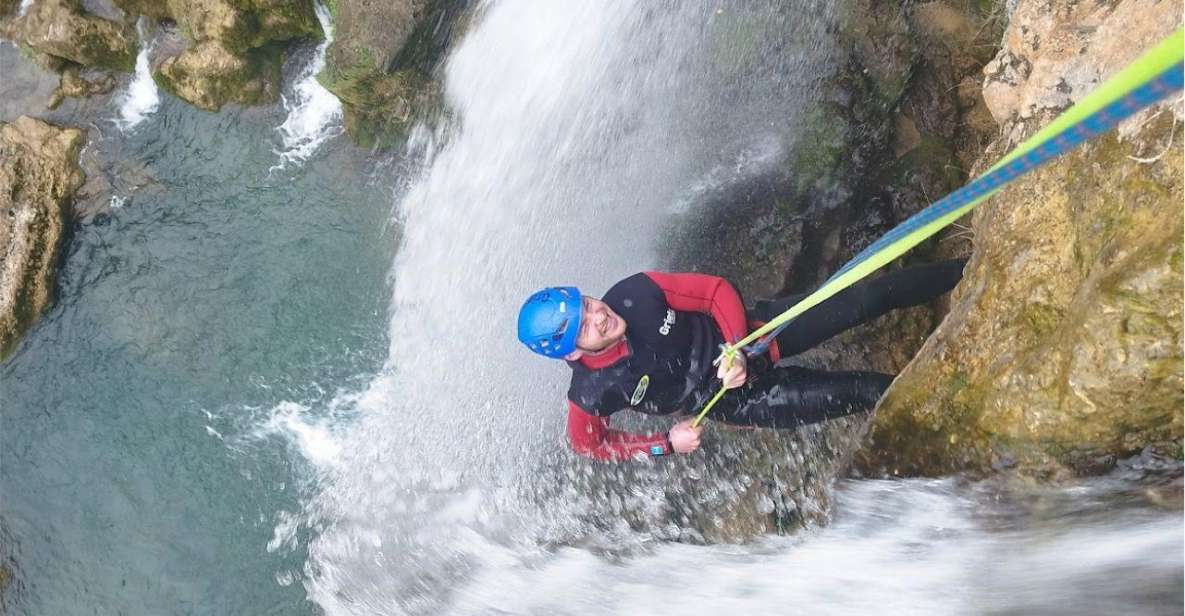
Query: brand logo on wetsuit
point(640, 390)
point(667, 323)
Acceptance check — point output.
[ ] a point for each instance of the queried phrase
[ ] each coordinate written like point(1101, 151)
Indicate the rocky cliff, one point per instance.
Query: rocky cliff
point(64, 38)
point(1062, 351)
point(39, 174)
point(382, 62)
point(233, 49)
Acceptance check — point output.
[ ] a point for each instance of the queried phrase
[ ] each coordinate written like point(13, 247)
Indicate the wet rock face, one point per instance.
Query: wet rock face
point(894, 127)
point(39, 174)
point(1062, 350)
point(234, 49)
point(742, 483)
point(888, 135)
point(381, 62)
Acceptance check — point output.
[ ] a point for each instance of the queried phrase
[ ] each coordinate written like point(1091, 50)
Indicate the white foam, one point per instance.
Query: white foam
point(142, 96)
point(312, 435)
point(314, 113)
point(24, 7)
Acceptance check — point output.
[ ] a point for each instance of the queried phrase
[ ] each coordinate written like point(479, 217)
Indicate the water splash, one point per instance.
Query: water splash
point(896, 547)
point(314, 438)
point(314, 113)
point(24, 7)
point(142, 96)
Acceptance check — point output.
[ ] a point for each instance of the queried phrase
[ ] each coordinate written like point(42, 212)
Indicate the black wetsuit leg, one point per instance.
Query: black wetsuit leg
point(790, 396)
point(860, 303)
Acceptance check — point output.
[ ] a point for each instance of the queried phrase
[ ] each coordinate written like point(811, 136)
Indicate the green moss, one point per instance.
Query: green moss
point(379, 107)
point(1041, 319)
point(255, 82)
point(820, 152)
point(883, 44)
point(105, 55)
point(163, 82)
point(350, 83)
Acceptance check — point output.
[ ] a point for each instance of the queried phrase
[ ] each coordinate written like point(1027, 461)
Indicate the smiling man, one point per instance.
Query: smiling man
point(649, 344)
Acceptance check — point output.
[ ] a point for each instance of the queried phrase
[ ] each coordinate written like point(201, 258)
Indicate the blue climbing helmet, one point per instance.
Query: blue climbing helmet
point(550, 320)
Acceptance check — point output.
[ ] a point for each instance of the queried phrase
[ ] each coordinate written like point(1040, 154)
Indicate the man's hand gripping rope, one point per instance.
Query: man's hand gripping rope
point(732, 371)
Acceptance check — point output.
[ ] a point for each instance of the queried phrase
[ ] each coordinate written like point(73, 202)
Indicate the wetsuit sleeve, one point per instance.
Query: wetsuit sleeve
point(703, 293)
point(591, 437)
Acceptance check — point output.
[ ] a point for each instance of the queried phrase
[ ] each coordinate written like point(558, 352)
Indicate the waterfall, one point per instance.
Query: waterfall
point(314, 113)
point(142, 97)
point(576, 129)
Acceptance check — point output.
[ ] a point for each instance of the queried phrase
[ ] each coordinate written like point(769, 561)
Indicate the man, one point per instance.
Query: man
point(649, 344)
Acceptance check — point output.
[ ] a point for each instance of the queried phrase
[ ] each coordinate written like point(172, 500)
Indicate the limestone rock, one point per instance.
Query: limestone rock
point(59, 28)
point(243, 26)
point(73, 83)
point(1054, 53)
point(39, 174)
point(208, 76)
point(1062, 351)
point(234, 47)
point(381, 61)
point(152, 9)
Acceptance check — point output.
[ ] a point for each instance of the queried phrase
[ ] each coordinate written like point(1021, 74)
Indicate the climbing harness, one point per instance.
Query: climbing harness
point(1150, 78)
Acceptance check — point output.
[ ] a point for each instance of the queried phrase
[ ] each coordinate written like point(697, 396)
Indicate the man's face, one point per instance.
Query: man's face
point(600, 327)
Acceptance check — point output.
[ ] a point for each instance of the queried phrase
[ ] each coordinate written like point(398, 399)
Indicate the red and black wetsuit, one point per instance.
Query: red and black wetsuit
point(675, 324)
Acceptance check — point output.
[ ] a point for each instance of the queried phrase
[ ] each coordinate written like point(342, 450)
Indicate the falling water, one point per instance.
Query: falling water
point(142, 97)
point(314, 113)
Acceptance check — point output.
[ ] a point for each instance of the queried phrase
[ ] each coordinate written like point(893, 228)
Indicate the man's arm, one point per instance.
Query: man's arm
point(590, 436)
point(703, 293)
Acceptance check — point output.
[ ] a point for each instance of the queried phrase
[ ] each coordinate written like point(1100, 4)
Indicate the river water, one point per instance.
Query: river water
point(280, 376)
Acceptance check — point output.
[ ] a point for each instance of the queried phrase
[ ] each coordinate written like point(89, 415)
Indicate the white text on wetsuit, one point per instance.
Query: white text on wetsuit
point(667, 323)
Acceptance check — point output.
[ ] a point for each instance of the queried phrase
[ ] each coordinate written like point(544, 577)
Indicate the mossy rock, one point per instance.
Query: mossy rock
point(1062, 351)
point(60, 29)
point(209, 76)
point(379, 108)
point(242, 26)
point(235, 47)
point(880, 36)
point(153, 9)
point(39, 175)
point(381, 63)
